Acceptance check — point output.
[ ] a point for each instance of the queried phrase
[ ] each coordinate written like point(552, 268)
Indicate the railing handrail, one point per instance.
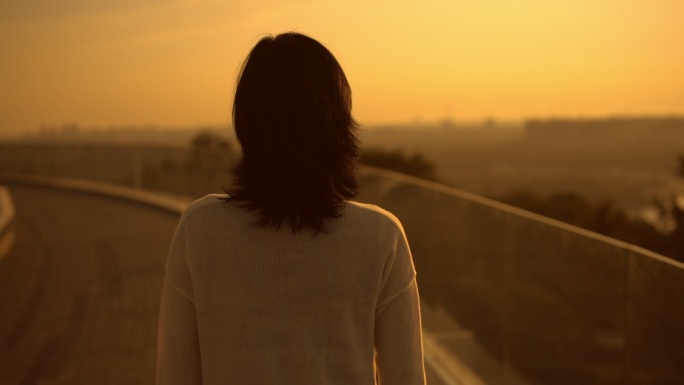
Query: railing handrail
point(491, 203)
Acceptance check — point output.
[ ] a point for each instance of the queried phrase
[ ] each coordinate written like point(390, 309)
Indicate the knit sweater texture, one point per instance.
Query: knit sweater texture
point(243, 304)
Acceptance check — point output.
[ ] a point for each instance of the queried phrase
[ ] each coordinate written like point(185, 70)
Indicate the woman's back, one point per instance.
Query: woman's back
point(293, 308)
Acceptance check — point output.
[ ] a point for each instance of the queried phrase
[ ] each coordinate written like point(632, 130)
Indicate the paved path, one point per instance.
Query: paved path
point(80, 289)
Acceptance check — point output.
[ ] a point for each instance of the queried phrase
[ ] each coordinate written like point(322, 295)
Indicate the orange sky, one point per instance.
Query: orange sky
point(173, 62)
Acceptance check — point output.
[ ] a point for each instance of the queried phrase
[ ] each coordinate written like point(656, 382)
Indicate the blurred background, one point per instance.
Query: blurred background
point(572, 111)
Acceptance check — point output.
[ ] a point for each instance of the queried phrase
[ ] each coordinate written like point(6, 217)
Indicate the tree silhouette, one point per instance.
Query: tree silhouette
point(608, 219)
point(676, 240)
point(603, 217)
point(396, 160)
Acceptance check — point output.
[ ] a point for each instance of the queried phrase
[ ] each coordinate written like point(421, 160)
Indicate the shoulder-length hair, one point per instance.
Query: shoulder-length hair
point(292, 118)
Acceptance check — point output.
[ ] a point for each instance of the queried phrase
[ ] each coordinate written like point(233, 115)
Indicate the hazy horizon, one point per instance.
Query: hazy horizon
point(489, 122)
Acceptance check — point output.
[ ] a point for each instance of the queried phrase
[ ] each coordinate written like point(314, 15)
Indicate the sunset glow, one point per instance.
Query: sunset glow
point(174, 62)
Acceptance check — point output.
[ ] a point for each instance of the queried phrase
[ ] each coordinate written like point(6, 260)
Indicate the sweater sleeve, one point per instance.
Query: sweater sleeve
point(178, 352)
point(398, 333)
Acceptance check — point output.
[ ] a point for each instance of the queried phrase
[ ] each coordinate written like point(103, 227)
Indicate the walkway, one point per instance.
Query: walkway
point(80, 289)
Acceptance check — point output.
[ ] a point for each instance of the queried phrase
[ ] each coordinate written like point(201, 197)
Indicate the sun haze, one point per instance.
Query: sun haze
point(174, 63)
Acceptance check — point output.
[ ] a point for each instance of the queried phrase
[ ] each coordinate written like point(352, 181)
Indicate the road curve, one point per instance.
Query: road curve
point(80, 289)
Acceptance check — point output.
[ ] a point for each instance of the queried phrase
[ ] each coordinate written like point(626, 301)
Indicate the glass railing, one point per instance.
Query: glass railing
point(551, 303)
point(508, 296)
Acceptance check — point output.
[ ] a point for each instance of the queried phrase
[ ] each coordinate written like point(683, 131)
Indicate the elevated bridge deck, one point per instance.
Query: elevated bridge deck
point(80, 289)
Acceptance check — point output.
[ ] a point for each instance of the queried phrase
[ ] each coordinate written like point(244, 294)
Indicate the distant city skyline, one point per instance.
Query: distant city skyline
point(173, 63)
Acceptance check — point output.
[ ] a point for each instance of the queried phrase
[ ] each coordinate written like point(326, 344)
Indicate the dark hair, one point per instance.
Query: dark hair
point(292, 117)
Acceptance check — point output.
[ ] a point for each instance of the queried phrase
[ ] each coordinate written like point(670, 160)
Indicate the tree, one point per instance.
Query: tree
point(603, 217)
point(396, 160)
point(206, 140)
point(676, 241)
point(606, 218)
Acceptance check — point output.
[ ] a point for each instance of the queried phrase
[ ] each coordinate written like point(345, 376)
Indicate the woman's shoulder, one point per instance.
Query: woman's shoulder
point(205, 205)
point(372, 213)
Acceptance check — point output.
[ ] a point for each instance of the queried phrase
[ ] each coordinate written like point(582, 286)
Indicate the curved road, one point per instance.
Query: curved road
point(80, 289)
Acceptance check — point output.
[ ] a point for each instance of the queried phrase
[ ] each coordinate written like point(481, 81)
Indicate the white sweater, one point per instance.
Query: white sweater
point(251, 305)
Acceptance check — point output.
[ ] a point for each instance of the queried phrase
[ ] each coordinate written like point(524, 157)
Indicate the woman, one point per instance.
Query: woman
point(285, 280)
